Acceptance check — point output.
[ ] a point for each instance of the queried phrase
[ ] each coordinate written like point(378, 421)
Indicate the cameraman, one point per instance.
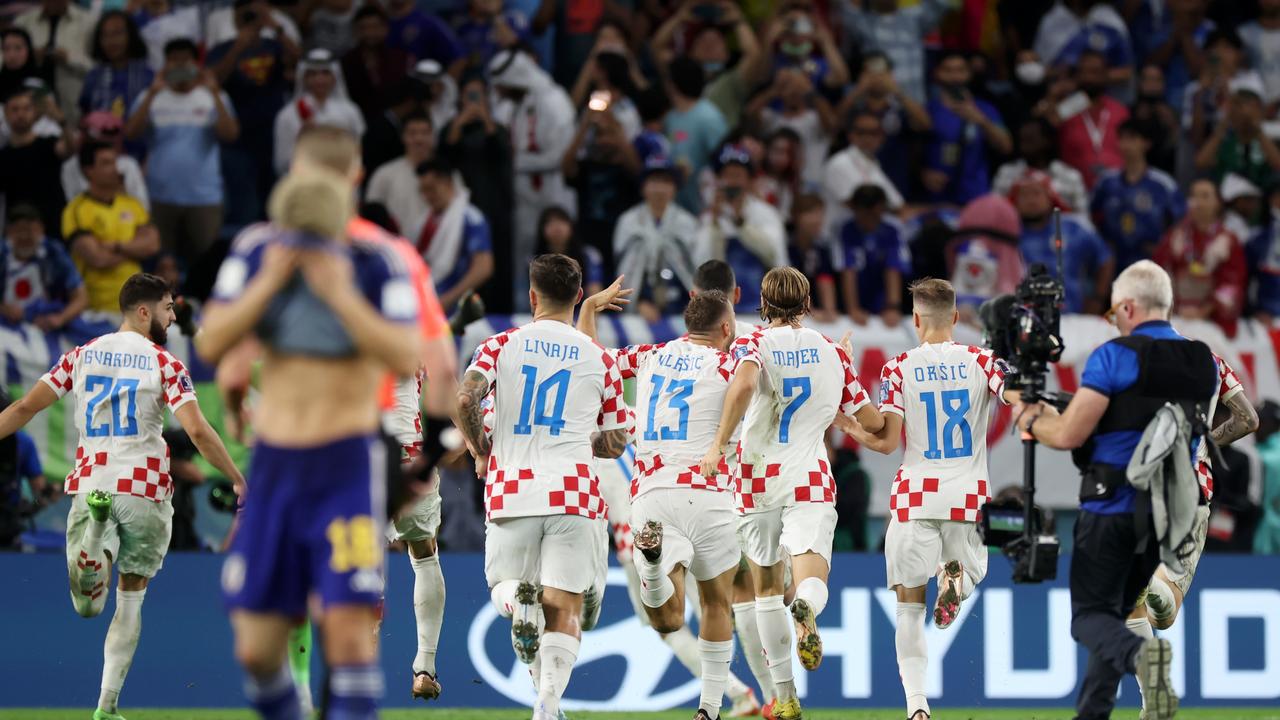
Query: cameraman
point(1115, 550)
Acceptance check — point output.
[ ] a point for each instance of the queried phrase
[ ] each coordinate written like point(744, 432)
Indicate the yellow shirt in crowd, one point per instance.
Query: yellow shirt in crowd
point(113, 224)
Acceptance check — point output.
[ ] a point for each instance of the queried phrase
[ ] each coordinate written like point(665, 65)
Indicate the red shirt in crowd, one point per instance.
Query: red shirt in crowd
point(1208, 271)
point(1090, 140)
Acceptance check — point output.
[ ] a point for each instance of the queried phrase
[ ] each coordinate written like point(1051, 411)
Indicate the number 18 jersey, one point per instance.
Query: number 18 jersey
point(943, 393)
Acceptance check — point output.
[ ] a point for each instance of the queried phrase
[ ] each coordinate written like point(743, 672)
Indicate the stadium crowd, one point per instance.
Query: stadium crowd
point(867, 142)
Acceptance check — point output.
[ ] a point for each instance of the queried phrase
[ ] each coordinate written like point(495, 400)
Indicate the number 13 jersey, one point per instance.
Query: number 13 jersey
point(943, 393)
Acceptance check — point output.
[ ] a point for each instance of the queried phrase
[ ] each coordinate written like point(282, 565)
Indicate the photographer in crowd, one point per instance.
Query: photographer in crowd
point(1125, 383)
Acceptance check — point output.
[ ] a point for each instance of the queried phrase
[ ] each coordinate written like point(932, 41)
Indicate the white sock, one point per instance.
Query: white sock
point(122, 641)
point(685, 646)
point(428, 610)
point(1142, 628)
point(535, 671)
point(734, 688)
point(503, 597)
point(92, 543)
point(913, 655)
point(716, 656)
point(813, 591)
point(655, 587)
point(775, 637)
point(558, 653)
point(744, 621)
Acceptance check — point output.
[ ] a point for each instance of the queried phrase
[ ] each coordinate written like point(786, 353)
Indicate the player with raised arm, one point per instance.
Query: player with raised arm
point(557, 405)
point(791, 383)
point(122, 513)
point(335, 314)
point(941, 392)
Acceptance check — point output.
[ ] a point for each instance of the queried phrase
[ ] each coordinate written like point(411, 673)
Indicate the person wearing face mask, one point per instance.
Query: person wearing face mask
point(707, 26)
point(1088, 264)
point(320, 98)
point(182, 118)
point(801, 36)
point(1089, 140)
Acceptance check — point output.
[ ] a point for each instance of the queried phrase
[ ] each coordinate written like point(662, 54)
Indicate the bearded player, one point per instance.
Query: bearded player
point(941, 392)
point(122, 513)
point(791, 383)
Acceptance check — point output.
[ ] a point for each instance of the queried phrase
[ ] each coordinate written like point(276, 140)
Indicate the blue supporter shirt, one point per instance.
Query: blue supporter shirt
point(1100, 38)
point(476, 239)
point(959, 150)
point(1083, 252)
point(40, 285)
point(1133, 217)
point(1263, 252)
point(870, 255)
point(651, 143)
point(424, 37)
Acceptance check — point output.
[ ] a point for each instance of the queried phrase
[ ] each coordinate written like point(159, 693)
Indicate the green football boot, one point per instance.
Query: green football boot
point(103, 714)
point(99, 504)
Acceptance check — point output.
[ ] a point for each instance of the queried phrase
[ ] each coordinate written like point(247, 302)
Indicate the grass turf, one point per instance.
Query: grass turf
point(517, 714)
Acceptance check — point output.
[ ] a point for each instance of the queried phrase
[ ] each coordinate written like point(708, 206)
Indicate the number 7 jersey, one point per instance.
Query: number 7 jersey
point(943, 393)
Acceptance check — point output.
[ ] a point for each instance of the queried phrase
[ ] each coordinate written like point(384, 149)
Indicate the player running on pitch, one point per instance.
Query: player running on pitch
point(942, 393)
point(795, 382)
point(122, 514)
point(558, 404)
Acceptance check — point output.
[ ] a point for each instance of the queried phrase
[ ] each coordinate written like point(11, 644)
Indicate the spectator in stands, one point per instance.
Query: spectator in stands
point(612, 81)
point(476, 31)
point(1242, 205)
point(330, 24)
point(857, 165)
point(727, 86)
point(1133, 207)
point(741, 229)
point(652, 105)
point(159, 22)
point(779, 181)
point(1089, 139)
point(1038, 150)
point(63, 32)
point(224, 24)
point(1111, 42)
point(654, 243)
point(49, 117)
point(1263, 255)
point(694, 126)
point(901, 115)
point(320, 97)
point(611, 42)
point(373, 68)
point(120, 72)
point(422, 35)
point(1205, 260)
point(556, 234)
point(40, 284)
point(872, 259)
point(1152, 111)
point(117, 235)
point(1068, 20)
point(1261, 40)
point(383, 139)
point(1088, 264)
point(810, 250)
point(452, 236)
point(29, 163)
point(395, 184)
point(19, 61)
point(1177, 45)
point(792, 103)
point(1206, 101)
point(806, 45)
point(104, 127)
point(183, 118)
point(899, 33)
point(441, 96)
point(965, 131)
point(541, 121)
point(1240, 144)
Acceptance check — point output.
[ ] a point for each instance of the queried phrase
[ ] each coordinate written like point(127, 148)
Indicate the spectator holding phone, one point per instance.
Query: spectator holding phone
point(792, 103)
point(898, 32)
point(707, 28)
point(901, 116)
point(965, 130)
point(1089, 134)
point(601, 162)
point(806, 45)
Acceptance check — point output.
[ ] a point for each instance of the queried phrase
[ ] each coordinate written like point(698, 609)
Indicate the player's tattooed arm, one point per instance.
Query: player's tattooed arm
point(609, 444)
point(471, 394)
point(1243, 420)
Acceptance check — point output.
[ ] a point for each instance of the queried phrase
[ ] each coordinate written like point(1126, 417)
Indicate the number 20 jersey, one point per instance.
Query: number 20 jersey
point(943, 393)
point(553, 388)
point(122, 383)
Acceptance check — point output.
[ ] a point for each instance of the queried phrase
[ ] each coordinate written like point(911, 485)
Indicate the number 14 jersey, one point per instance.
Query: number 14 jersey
point(943, 393)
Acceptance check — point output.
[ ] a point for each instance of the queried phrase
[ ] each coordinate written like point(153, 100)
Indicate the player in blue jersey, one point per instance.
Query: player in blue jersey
point(1133, 207)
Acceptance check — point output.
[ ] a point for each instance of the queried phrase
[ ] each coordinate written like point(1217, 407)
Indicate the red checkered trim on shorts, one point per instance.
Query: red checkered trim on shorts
point(84, 468)
point(692, 478)
point(973, 502)
point(502, 484)
point(821, 487)
point(581, 494)
point(1204, 474)
point(750, 484)
point(149, 481)
point(904, 499)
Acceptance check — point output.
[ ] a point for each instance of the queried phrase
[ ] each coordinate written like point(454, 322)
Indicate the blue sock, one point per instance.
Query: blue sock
point(354, 691)
point(274, 697)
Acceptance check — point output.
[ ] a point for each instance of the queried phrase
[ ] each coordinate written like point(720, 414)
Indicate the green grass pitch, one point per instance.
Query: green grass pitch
point(941, 712)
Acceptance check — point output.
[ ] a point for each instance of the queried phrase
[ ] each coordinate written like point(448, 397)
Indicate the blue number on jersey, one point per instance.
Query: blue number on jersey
point(955, 405)
point(680, 390)
point(789, 388)
point(124, 422)
point(534, 401)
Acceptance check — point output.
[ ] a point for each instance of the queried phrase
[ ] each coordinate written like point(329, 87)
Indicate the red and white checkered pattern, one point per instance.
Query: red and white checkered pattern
point(1228, 387)
point(485, 359)
point(891, 386)
point(403, 420)
point(614, 413)
point(178, 388)
point(580, 494)
point(1204, 474)
point(752, 483)
point(150, 480)
point(622, 542)
point(631, 357)
point(821, 487)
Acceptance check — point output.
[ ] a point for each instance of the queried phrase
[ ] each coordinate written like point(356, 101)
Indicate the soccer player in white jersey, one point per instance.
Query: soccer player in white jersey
point(122, 513)
point(558, 405)
point(795, 382)
point(941, 392)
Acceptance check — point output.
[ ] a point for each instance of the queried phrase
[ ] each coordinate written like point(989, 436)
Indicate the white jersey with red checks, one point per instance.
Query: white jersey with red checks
point(680, 389)
point(805, 379)
point(1228, 387)
point(403, 420)
point(553, 389)
point(122, 384)
point(943, 393)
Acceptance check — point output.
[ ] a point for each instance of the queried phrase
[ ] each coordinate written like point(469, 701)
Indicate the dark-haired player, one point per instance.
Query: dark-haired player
point(122, 513)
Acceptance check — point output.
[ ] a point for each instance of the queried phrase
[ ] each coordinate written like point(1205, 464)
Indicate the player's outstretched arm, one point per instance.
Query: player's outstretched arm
point(474, 388)
point(225, 324)
point(614, 297)
point(736, 400)
point(1243, 420)
point(209, 444)
point(20, 411)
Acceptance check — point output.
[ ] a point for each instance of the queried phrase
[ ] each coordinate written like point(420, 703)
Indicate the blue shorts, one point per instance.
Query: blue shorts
point(312, 522)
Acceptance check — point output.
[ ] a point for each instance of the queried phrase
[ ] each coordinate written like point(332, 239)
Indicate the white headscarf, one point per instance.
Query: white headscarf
point(320, 59)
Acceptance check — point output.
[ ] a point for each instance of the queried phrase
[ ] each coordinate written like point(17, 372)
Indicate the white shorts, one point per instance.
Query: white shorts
point(698, 530)
point(1201, 531)
point(793, 529)
point(136, 537)
point(565, 552)
point(421, 521)
point(914, 551)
